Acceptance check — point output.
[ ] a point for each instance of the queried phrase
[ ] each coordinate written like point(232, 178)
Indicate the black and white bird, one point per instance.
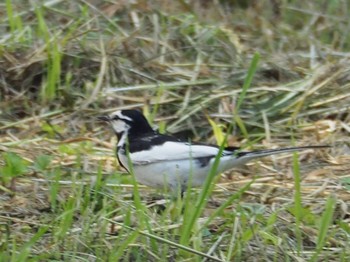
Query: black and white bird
point(163, 161)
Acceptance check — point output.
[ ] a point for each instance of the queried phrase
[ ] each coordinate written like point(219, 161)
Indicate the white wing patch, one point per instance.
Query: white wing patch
point(173, 151)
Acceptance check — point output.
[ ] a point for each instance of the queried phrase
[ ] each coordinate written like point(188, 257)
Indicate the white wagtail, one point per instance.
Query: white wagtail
point(163, 161)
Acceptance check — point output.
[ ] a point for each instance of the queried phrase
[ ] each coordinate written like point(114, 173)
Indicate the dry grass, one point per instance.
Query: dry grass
point(63, 64)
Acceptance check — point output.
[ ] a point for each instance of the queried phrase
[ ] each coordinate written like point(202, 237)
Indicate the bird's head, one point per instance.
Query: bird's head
point(128, 122)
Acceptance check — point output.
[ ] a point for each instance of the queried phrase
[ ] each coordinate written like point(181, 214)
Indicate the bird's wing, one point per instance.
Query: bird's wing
point(174, 150)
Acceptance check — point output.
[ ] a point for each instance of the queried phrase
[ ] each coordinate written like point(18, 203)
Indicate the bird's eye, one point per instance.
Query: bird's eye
point(116, 118)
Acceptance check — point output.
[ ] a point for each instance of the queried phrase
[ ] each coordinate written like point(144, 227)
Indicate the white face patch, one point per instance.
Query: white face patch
point(119, 115)
point(117, 121)
point(119, 126)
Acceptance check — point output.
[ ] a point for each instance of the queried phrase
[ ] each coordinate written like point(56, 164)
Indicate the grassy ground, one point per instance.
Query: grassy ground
point(281, 68)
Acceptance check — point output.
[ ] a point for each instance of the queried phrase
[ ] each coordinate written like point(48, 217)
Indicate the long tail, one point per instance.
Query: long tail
point(247, 156)
point(237, 158)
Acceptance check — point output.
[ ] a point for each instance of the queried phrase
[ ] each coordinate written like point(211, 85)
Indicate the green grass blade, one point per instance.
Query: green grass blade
point(136, 194)
point(25, 250)
point(248, 80)
point(228, 202)
point(10, 15)
point(123, 246)
point(325, 223)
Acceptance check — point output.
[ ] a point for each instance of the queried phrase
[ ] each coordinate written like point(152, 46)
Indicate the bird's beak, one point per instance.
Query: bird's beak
point(104, 118)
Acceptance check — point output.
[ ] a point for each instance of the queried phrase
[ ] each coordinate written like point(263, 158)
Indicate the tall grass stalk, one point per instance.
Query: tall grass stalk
point(247, 83)
point(207, 187)
point(190, 220)
point(140, 208)
point(248, 80)
point(298, 208)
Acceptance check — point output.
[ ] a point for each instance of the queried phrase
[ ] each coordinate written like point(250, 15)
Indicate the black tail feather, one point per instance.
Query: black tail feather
point(268, 152)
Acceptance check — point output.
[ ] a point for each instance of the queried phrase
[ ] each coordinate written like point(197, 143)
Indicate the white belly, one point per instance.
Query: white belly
point(177, 173)
point(170, 174)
